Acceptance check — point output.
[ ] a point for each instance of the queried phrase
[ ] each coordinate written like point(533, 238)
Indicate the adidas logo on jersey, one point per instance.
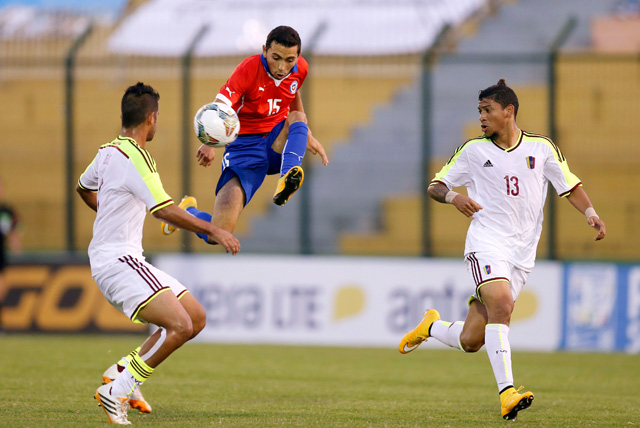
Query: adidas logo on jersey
point(487, 163)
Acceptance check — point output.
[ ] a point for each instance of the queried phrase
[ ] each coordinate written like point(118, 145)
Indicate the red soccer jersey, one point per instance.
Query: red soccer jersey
point(260, 100)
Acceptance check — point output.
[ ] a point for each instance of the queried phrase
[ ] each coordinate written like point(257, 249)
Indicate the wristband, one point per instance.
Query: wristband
point(590, 212)
point(448, 198)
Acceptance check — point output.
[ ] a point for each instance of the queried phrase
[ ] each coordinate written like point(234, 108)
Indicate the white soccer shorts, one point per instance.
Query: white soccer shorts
point(488, 267)
point(129, 284)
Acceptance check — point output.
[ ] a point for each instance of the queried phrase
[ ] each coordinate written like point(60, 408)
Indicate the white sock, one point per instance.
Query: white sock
point(447, 333)
point(496, 340)
point(156, 346)
point(124, 384)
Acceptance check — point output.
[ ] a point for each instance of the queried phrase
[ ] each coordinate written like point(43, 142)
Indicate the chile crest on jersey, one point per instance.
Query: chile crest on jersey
point(294, 87)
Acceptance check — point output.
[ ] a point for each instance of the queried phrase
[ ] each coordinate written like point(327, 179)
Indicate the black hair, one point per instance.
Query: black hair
point(137, 102)
point(286, 36)
point(502, 94)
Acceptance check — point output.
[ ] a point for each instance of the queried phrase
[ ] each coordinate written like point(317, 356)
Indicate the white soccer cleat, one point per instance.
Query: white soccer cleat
point(115, 407)
point(110, 374)
point(136, 399)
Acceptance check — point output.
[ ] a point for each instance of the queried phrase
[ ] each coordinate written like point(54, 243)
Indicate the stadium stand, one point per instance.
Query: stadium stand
point(371, 220)
point(32, 79)
point(372, 134)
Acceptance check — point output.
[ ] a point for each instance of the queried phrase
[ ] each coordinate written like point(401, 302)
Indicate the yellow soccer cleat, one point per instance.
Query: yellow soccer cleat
point(415, 337)
point(287, 185)
point(512, 402)
point(186, 202)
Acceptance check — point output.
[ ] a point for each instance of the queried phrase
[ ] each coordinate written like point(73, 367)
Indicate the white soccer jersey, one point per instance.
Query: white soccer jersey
point(511, 186)
point(125, 177)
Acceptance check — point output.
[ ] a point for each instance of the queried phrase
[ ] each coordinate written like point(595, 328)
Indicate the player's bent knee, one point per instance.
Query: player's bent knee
point(470, 344)
point(198, 320)
point(180, 331)
point(296, 116)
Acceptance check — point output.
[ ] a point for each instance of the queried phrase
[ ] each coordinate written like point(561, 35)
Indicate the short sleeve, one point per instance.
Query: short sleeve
point(455, 172)
point(144, 182)
point(89, 178)
point(556, 170)
point(238, 84)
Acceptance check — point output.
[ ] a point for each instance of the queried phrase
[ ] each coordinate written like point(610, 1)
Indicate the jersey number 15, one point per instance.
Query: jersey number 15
point(273, 105)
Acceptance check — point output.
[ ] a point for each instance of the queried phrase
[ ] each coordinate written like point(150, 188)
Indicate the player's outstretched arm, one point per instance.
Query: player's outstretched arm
point(316, 148)
point(441, 193)
point(183, 220)
point(89, 198)
point(205, 155)
point(580, 200)
point(313, 145)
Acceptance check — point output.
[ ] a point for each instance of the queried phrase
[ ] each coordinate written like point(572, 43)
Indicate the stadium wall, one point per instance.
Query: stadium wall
point(348, 301)
point(58, 296)
point(340, 301)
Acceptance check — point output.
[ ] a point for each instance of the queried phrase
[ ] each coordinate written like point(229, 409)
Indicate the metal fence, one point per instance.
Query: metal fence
point(587, 103)
point(57, 108)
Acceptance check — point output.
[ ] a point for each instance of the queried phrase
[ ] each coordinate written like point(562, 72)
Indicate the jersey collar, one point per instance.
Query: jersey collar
point(510, 149)
point(131, 140)
point(266, 68)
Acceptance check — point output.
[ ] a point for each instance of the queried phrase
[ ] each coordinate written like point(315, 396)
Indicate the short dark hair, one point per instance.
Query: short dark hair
point(137, 102)
point(502, 94)
point(286, 36)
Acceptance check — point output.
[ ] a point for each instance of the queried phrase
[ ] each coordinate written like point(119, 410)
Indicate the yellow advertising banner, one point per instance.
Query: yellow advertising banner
point(58, 298)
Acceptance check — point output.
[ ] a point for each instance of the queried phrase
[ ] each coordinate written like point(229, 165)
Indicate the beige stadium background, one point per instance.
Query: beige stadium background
point(597, 122)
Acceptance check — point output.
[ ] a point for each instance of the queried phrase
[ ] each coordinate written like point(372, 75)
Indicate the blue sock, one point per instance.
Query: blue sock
point(295, 147)
point(202, 216)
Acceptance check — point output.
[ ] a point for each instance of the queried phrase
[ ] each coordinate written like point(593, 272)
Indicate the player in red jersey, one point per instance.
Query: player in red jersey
point(265, 92)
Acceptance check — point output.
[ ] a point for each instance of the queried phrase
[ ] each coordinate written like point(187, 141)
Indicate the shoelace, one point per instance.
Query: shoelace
point(124, 408)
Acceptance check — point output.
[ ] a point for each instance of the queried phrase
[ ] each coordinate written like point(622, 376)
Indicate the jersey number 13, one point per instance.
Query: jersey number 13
point(512, 185)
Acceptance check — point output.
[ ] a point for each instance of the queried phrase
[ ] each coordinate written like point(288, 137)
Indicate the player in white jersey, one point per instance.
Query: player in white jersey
point(506, 173)
point(121, 184)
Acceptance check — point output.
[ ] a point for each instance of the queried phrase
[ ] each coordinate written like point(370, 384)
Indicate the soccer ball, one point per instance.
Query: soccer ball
point(216, 125)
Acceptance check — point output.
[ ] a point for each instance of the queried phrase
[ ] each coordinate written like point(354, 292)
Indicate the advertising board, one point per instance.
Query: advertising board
point(349, 301)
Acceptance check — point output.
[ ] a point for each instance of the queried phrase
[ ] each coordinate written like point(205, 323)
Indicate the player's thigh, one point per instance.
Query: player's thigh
point(293, 117)
point(228, 205)
point(165, 310)
point(278, 143)
point(195, 310)
point(472, 335)
point(491, 274)
point(497, 298)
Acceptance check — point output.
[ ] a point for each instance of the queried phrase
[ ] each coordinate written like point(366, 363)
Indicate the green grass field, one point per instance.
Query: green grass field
point(49, 381)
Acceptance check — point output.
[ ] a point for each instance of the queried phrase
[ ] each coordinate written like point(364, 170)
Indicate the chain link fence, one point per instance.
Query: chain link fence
point(56, 110)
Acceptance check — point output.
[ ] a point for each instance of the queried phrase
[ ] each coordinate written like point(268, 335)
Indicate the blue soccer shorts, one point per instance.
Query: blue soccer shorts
point(251, 159)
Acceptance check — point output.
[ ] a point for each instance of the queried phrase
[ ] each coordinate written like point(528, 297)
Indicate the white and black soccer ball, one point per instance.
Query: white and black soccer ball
point(216, 125)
